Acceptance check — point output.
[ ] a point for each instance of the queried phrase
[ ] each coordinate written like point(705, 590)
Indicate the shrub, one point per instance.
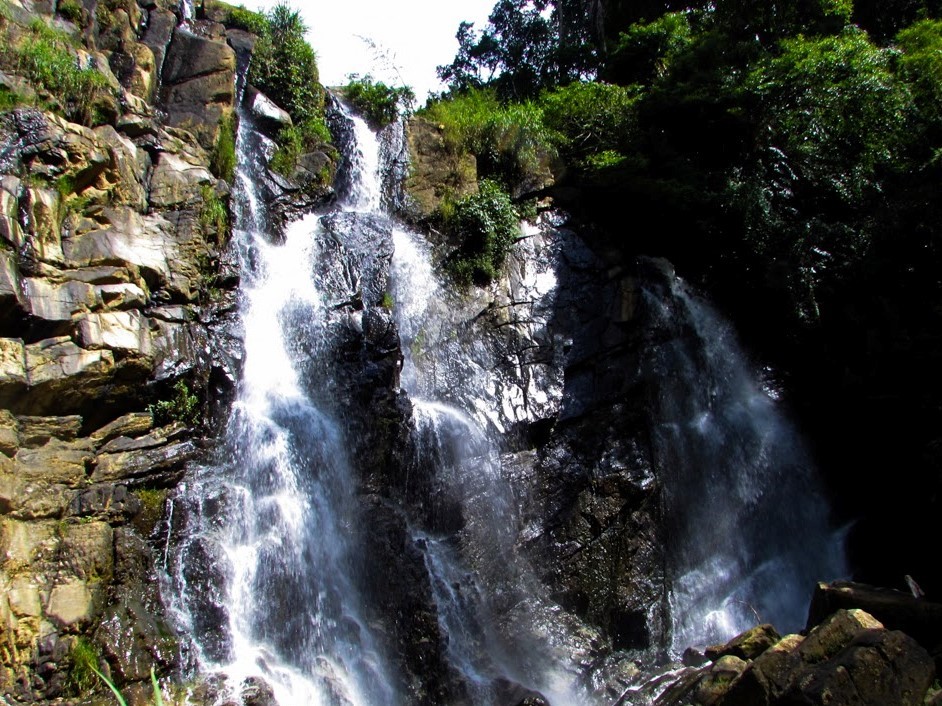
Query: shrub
point(73, 11)
point(45, 57)
point(182, 407)
point(487, 225)
point(511, 141)
point(214, 215)
point(378, 103)
point(645, 51)
point(295, 140)
point(84, 658)
point(284, 66)
point(241, 18)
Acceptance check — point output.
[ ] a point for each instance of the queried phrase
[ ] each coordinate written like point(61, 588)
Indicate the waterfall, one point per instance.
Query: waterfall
point(747, 520)
point(264, 576)
point(498, 624)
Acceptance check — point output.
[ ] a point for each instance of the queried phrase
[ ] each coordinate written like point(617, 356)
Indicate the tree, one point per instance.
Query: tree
point(527, 45)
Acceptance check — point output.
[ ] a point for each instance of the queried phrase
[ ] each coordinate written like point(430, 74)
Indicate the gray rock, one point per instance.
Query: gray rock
point(124, 331)
point(34, 432)
point(130, 425)
point(267, 116)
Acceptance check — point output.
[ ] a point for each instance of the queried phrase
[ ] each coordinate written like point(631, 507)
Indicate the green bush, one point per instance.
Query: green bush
point(45, 57)
point(378, 103)
point(241, 18)
point(284, 66)
point(84, 657)
point(295, 140)
point(214, 214)
point(511, 141)
point(645, 51)
point(486, 224)
point(920, 66)
point(73, 11)
point(184, 407)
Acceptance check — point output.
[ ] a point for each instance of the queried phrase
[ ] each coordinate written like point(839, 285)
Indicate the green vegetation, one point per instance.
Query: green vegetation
point(239, 17)
point(48, 60)
point(73, 11)
point(284, 66)
point(214, 214)
point(184, 407)
point(295, 140)
point(486, 224)
point(378, 103)
point(223, 159)
point(84, 657)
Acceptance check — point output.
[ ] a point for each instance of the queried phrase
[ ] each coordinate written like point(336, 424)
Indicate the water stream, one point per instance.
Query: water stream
point(265, 574)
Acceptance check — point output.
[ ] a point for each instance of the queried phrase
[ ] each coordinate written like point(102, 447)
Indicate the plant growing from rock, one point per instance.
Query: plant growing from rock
point(223, 159)
point(182, 407)
point(214, 214)
point(486, 224)
point(46, 58)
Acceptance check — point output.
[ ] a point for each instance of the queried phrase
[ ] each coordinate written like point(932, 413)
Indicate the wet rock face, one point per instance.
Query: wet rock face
point(849, 658)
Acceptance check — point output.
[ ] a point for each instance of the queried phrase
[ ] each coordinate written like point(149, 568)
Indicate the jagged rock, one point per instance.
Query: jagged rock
point(9, 433)
point(59, 302)
point(44, 206)
point(199, 84)
point(34, 432)
point(130, 425)
point(122, 296)
point(63, 463)
point(10, 297)
point(160, 26)
point(267, 116)
point(10, 229)
point(917, 617)
point(176, 183)
point(748, 645)
point(123, 181)
point(158, 437)
point(74, 603)
point(125, 331)
point(435, 168)
point(144, 463)
point(716, 681)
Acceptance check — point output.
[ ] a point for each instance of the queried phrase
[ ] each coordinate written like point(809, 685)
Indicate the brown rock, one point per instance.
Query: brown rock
point(130, 425)
point(37, 431)
point(748, 645)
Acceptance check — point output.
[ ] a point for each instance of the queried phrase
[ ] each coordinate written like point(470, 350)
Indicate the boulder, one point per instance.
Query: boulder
point(176, 183)
point(144, 463)
point(74, 603)
point(58, 303)
point(44, 207)
point(199, 84)
point(124, 331)
point(34, 432)
point(9, 433)
point(60, 463)
point(919, 618)
point(130, 425)
point(435, 168)
point(267, 116)
point(10, 296)
point(748, 645)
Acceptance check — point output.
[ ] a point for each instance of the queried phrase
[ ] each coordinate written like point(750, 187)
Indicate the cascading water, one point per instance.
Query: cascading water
point(748, 524)
point(499, 627)
point(265, 573)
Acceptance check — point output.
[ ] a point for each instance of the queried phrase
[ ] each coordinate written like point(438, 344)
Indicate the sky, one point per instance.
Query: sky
point(411, 37)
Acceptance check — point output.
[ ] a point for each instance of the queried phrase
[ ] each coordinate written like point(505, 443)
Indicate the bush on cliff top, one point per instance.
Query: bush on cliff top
point(378, 103)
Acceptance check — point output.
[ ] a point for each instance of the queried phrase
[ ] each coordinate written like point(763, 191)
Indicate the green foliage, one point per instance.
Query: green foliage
point(527, 45)
point(45, 57)
point(184, 407)
point(73, 11)
point(920, 65)
point(833, 107)
point(84, 657)
point(772, 19)
point(223, 159)
point(510, 140)
point(486, 224)
point(591, 117)
point(284, 66)
point(214, 214)
point(645, 51)
point(241, 18)
point(378, 103)
point(295, 140)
